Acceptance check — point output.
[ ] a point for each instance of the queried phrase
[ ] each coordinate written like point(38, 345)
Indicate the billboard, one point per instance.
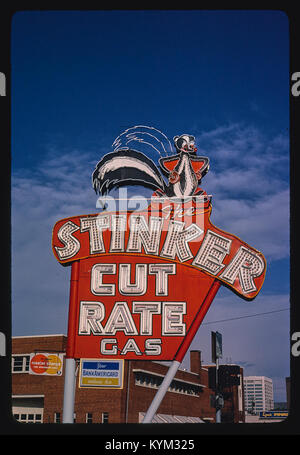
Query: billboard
point(142, 276)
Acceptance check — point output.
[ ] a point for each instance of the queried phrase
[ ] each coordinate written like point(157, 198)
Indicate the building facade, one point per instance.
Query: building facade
point(38, 398)
point(230, 386)
point(259, 395)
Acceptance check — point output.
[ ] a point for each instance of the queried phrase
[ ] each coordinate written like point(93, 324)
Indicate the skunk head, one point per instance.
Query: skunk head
point(185, 143)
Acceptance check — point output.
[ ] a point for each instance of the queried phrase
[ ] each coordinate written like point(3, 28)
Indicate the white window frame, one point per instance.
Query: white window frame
point(25, 363)
point(88, 416)
point(23, 417)
point(105, 414)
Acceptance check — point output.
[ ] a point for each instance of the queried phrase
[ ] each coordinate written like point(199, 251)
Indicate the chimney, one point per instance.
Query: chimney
point(195, 362)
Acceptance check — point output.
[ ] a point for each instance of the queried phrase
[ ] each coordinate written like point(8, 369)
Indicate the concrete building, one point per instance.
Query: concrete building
point(259, 395)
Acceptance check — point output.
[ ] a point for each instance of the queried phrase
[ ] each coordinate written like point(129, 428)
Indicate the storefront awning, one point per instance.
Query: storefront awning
point(167, 418)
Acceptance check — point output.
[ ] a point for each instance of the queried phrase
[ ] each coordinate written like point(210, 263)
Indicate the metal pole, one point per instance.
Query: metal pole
point(181, 352)
point(69, 391)
point(218, 408)
point(127, 395)
point(70, 364)
point(161, 392)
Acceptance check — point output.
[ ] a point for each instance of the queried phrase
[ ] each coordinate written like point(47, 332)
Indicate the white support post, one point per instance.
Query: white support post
point(69, 391)
point(161, 392)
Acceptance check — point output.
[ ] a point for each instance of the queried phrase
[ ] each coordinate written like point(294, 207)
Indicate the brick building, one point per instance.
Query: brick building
point(234, 410)
point(39, 398)
point(231, 379)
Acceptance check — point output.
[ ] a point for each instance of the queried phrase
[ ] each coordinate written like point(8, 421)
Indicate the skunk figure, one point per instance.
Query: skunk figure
point(184, 170)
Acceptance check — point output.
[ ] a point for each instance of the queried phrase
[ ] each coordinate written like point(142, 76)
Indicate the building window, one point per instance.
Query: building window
point(57, 417)
point(28, 418)
point(104, 417)
point(20, 363)
point(89, 417)
point(145, 379)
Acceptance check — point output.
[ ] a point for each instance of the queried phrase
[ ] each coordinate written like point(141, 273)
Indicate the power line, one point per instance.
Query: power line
point(244, 317)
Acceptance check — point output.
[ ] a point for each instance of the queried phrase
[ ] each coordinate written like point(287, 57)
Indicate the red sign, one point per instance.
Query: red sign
point(135, 308)
point(142, 276)
point(142, 282)
point(170, 231)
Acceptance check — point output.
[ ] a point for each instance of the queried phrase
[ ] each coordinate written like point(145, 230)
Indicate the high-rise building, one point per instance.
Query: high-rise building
point(258, 392)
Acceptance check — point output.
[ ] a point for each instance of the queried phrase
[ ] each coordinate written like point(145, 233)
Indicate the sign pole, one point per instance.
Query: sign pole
point(218, 407)
point(69, 391)
point(161, 392)
point(70, 365)
point(216, 351)
point(181, 353)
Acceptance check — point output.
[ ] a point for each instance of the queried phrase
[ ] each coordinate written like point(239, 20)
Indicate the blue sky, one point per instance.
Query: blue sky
point(81, 78)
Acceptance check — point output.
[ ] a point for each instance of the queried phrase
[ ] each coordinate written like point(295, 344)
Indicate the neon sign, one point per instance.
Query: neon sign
point(141, 276)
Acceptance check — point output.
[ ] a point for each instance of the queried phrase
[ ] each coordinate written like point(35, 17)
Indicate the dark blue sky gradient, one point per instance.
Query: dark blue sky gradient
point(82, 77)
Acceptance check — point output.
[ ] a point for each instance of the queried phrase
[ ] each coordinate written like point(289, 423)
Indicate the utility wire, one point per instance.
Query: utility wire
point(244, 317)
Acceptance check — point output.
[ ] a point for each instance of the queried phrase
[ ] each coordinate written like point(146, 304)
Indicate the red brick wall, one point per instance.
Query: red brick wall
point(27, 345)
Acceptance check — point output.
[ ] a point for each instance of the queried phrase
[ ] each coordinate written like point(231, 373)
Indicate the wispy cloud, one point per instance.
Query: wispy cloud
point(239, 148)
point(59, 186)
point(249, 181)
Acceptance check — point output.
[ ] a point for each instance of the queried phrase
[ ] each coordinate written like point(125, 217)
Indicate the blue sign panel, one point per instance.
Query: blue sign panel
point(99, 365)
point(98, 373)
